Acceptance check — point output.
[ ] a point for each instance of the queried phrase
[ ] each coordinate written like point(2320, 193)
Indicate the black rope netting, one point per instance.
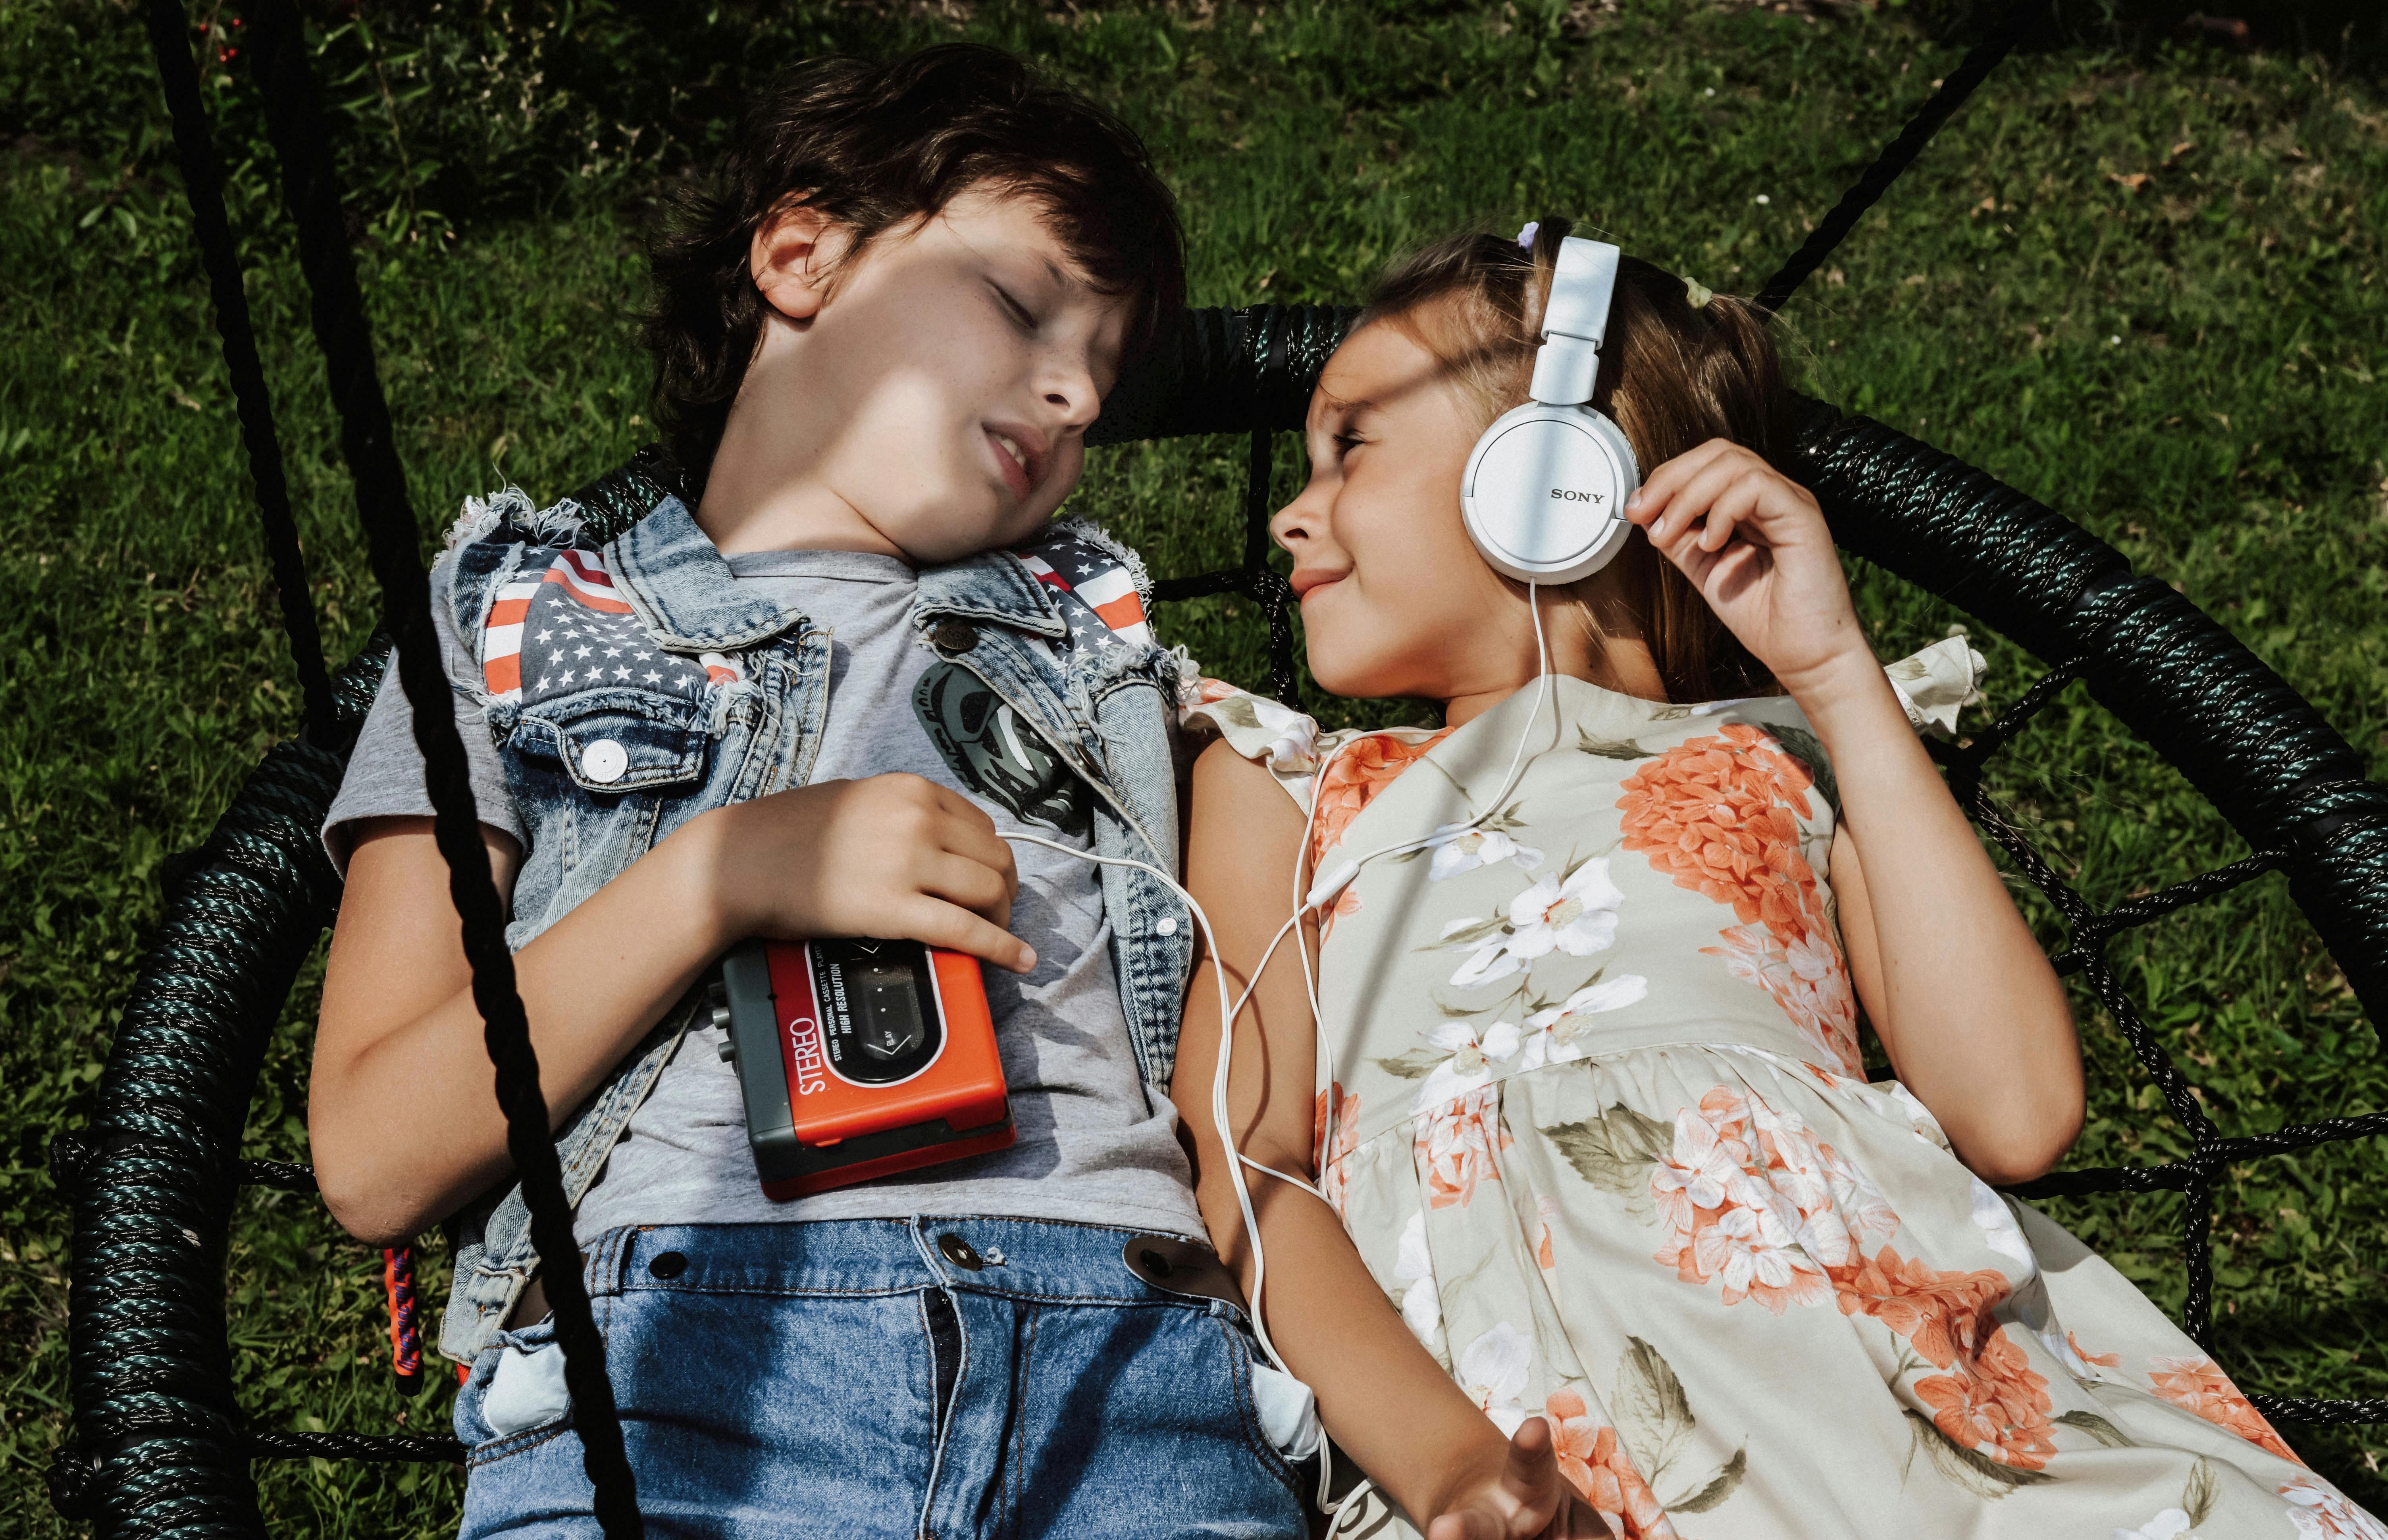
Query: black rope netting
point(2290, 785)
point(163, 1447)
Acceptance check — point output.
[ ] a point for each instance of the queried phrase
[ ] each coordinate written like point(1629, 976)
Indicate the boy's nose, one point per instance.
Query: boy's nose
point(1072, 395)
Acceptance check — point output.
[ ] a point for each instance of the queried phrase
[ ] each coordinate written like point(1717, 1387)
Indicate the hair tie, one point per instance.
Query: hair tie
point(1698, 293)
point(1525, 235)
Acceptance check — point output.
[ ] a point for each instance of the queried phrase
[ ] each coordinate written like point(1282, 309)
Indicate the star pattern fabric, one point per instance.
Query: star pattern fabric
point(1098, 591)
point(569, 630)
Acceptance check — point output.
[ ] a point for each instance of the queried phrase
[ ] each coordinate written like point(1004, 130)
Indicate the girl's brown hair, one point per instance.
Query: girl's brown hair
point(1672, 375)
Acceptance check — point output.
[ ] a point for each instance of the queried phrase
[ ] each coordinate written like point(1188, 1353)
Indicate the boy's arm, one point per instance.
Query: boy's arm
point(402, 1112)
point(1382, 1398)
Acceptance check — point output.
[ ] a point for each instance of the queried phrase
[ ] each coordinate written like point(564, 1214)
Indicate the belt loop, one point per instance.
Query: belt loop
point(601, 1265)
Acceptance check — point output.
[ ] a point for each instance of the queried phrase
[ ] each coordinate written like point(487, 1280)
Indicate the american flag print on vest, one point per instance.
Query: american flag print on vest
point(569, 629)
point(1098, 592)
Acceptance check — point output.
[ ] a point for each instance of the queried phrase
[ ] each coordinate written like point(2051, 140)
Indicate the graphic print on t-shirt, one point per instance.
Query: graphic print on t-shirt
point(996, 754)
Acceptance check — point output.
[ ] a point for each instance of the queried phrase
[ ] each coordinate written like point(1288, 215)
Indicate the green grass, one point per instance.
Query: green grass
point(2187, 364)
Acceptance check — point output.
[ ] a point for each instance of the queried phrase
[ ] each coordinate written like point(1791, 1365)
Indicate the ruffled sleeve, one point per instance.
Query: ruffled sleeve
point(1937, 682)
point(1254, 726)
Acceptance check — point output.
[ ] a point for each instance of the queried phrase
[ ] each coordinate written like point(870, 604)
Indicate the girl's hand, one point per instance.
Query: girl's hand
point(1525, 1498)
point(1754, 543)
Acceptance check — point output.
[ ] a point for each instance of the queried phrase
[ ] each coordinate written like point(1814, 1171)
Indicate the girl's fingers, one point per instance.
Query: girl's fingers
point(1693, 501)
point(1667, 479)
point(1472, 1524)
point(1530, 1477)
point(1736, 506)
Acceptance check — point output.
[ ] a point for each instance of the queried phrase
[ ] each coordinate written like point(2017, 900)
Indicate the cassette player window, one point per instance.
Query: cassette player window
point(879, 1008)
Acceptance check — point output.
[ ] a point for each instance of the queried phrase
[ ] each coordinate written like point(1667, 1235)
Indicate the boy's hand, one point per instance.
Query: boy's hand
point(1754, 543)
point(892, 856)
point(1524, 1498)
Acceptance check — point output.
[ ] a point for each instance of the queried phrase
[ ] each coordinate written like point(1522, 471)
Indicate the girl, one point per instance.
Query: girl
point(1625, 1236)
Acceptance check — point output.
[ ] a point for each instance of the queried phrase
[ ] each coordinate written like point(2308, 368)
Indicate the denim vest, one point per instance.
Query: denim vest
point(1108, 714)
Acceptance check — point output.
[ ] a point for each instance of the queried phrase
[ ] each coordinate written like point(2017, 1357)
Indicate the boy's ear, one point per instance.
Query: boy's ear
point(794, 258)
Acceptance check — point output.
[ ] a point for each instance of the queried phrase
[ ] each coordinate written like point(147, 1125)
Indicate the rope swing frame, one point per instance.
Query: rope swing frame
point(161, 1447)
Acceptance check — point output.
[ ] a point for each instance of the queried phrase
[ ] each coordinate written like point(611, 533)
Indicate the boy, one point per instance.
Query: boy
point(804, 701)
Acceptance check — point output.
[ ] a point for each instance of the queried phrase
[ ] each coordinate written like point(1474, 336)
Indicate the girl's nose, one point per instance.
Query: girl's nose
point(1298, 519)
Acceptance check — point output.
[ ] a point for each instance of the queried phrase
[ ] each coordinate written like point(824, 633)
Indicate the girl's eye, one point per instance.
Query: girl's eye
point(1346, 442)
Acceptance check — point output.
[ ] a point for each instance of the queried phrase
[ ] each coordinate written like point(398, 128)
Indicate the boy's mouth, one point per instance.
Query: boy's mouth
point(1018, 456)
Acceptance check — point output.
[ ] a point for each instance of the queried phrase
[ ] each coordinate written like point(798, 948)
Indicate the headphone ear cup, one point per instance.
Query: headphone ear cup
point(1544, 495)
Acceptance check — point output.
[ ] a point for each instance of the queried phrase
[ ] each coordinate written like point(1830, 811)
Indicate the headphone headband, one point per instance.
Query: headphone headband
point(1575, 321)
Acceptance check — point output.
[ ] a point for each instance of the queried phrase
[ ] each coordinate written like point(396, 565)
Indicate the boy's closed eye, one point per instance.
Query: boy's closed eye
point(1015, 310)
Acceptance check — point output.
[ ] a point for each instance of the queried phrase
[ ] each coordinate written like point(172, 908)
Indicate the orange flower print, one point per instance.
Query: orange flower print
point(1941, 1315)
point(1334, 1176)
point(1804, 975)
point(1547, 1208)
point(2103, 1360)
point(1751, 1197)
point(1352, 778)
point(1716, 815)
point(1346, 902)
point(1596, 1464)
point(1456, 1144)
point(2199, 1385)
point(1996, 1405)
point(2321, 1512)
point(1720, 815)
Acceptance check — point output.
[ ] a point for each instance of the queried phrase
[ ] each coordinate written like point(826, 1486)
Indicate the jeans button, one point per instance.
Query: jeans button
point(958, 1251)
point(955, 636)
point(668, 1266)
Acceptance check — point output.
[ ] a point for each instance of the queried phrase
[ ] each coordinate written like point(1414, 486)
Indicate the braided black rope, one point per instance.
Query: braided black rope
point(202, 184)
point(301, 141)
point(162, 1451)
point(2289, 783)
point(1900, 153)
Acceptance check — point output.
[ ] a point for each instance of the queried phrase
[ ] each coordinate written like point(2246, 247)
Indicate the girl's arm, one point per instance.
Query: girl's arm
point(401, 1108)
point(1382, 1398)
point(1974, 1018)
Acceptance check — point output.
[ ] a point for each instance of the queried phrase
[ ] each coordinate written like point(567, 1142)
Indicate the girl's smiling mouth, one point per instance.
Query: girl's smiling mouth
point(1304, 583)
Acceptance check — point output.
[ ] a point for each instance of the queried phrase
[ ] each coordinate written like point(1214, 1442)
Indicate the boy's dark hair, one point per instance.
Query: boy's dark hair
point(874, 146)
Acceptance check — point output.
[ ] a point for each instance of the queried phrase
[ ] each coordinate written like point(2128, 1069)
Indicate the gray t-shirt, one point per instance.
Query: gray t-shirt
point(1093, 1146)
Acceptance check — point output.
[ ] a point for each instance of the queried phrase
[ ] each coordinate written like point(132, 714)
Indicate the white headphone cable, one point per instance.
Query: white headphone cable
point(1328, 888)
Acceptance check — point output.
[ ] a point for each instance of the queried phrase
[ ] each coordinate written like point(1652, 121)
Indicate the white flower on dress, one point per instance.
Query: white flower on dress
point(1458, 848)
point(1422, 1301)
point(1472, 1061)
point(1558, 1035)
point(1577, 916)
point(1493, 1372)
point(2321, 1512)
point(2168, 1525)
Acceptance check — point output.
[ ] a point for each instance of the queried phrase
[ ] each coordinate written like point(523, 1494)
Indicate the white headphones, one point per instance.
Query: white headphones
point(1545, 492)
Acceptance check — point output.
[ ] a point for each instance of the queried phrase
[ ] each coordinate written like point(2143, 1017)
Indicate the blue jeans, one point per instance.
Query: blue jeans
point(860, 1378)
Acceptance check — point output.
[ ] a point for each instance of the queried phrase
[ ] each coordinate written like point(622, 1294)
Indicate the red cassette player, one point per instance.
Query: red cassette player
point(859, 1059)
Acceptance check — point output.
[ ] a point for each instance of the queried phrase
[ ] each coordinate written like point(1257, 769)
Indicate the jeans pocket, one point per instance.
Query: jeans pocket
point(1259, 1404)
point(516, 1397)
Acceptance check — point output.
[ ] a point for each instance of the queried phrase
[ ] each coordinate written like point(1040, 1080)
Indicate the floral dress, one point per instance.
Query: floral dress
point(1596, 1121)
